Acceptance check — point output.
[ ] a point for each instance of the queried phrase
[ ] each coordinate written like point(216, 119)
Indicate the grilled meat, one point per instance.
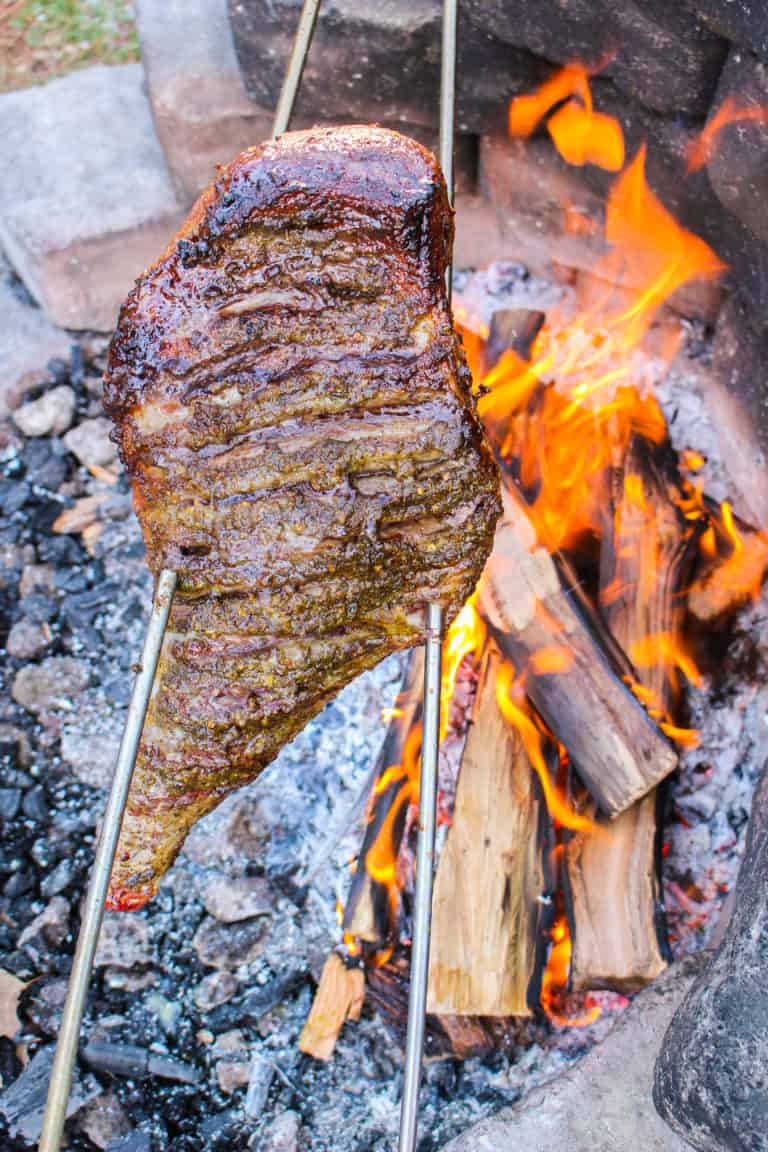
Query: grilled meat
point(295, 415)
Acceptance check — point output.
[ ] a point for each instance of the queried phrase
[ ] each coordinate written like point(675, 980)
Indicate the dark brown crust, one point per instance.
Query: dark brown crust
point(294, 412)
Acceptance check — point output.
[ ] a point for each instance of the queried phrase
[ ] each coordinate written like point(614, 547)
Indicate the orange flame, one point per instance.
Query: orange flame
point(703, 147)
point(581, 135)
point(465, 637)
point(663, 650)
point(516, 711)
point(555, 981)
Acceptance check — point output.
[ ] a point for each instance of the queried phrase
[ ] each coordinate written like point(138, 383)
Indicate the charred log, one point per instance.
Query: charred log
point(574, 680)
point(370, 914)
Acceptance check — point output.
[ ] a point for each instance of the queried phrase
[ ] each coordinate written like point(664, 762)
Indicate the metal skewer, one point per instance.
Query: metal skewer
point(295, 69)
point(430, 741)
point(93, 910)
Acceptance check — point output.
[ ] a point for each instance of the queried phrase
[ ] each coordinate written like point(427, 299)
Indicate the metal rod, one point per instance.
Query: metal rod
point(448, 106)
point(93, 911)
point(425, 859)
point(292, 79)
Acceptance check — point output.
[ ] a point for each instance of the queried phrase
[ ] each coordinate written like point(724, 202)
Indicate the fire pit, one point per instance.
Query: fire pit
point(601, 733)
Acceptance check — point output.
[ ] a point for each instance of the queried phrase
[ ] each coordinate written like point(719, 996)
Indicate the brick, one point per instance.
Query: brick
point(202, 111)
point(86, 201)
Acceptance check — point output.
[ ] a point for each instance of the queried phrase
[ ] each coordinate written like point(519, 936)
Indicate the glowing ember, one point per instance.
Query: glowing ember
point(555, 982)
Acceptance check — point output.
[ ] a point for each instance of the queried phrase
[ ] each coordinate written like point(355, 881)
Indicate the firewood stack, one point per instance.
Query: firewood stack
point(552, 780)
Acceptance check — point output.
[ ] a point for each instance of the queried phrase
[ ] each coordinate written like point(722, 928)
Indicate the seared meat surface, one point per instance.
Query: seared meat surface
point(295, 415)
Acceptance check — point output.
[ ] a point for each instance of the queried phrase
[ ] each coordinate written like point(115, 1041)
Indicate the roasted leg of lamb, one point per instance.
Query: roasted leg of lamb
point(294, 412)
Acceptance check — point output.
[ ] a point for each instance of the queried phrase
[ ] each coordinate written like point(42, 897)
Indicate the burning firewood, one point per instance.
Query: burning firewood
point(553, 638)
point(491, 891)
point(369, 914)
point(612, 874)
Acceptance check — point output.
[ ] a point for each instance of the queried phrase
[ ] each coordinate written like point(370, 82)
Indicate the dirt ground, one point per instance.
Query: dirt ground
point(41, 39)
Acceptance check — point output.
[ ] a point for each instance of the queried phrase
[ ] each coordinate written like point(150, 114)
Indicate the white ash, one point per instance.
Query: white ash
point(285, 841)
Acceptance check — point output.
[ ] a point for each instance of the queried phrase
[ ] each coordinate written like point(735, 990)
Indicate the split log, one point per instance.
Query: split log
point(488, 936)
point(369, 914)
point(339, 997)
point(573, 673)
point(612, 875)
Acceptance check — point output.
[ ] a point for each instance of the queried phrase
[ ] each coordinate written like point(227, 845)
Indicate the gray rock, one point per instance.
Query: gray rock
point(745, 21)
point(232, 1074)
point(230, 900)
point(27, 640)
point(51, 413)
point(221, 946)
point(711, 1084)
point(738, 167)
point(125, 941)
point(282, 1134)
point(260, 1078)
point(23, 1103)
point(202, 111)
point(51, 685)
point(86, 201)
point(28, 341)
point(36, 578)
point(103, 1120)
point(91, 443)
point(90, 738)
point(215, 989)
point(604, 1102)
point(739, 363)
point(49, 928)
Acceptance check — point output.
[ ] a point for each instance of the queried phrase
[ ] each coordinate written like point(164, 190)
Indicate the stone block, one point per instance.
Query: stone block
point(28, 341)
point(744, 21)
point(659, 54)
point(604, 1102)
point(549, 213)
point(202, 111)
point(710, 1083)
point(86, 201)
point(381, 60)
point(738, 170)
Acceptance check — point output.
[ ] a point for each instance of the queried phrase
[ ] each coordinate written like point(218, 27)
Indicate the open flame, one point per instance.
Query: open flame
point(731, 111)
point(560, 423)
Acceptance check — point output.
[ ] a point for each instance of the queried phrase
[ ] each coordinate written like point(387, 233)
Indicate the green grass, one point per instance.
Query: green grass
point(40, 39)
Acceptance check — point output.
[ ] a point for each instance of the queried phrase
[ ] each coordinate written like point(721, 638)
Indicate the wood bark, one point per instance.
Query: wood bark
point(616, 749)
point(492, 879)
point(612, 874)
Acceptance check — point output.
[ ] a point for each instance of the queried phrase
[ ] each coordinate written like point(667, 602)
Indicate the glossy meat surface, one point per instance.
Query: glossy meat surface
point(294, 412)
